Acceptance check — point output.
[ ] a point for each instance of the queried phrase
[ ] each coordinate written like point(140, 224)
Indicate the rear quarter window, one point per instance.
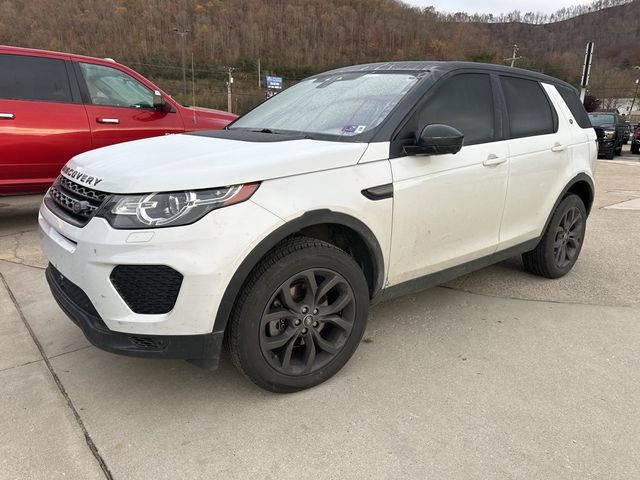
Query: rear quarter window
point(530, 112)
point(575, 106)
point(34, 78)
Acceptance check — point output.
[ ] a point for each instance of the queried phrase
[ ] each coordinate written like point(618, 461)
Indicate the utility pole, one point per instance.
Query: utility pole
point(229, 83)
point(259, 78)
point(193, 89)
point(183, 34)
point(513, 57)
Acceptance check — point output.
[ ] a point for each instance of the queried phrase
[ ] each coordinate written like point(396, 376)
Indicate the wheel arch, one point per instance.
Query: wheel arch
point(581, 185)
point(342, 230)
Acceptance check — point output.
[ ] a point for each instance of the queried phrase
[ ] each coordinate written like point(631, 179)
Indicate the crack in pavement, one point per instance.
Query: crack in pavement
point(21, 232)
point(605, 207)
point(21, 365)
point(50, 358)
point(11, 253)
point(70, 352)
point(58, 382)
point(559, 302)
point(22, 264)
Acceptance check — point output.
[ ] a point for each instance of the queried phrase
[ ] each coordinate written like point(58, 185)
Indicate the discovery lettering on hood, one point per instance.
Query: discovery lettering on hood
point(80, 177)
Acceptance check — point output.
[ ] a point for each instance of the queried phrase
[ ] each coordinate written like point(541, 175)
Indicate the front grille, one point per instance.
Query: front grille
point(73, 202)
point(147, 289)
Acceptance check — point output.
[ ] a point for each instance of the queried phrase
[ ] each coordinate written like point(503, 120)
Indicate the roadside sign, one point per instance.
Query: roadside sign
point(274, 83)
point(587, 65)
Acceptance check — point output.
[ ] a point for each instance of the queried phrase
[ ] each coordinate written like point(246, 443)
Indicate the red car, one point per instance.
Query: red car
point(56, 105)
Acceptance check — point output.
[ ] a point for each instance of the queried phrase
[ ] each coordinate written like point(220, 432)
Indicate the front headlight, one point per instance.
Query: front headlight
point(609, 134)
point(170, 209)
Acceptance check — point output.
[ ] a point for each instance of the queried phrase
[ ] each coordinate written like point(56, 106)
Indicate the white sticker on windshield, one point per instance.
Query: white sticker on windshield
point(353, 129)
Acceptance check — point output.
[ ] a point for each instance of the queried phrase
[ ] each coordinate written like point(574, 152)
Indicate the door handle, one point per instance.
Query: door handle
point(493, 160)
point(108, 120)
point(558, 148)
point(7, 116)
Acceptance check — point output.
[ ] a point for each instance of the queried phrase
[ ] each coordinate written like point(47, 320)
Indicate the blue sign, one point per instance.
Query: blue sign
point(274, 83)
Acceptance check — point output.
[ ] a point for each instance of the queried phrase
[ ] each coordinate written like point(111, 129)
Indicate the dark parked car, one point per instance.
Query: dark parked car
point(610, 132)
point(635, 141)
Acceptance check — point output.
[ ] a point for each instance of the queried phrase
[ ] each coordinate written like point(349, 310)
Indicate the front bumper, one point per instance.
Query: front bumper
point(74, 302)
point(606, 147)
point(206, 254)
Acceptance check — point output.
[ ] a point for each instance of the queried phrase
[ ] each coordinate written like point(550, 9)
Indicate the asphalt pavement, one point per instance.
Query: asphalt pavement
point(498, 374)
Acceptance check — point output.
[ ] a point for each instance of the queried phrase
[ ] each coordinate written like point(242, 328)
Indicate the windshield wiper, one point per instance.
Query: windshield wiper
point(267, 130)
point(306, 136)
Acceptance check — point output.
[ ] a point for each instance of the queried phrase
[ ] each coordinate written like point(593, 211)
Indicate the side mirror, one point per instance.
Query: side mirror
point(159, 103)
point(436, 139)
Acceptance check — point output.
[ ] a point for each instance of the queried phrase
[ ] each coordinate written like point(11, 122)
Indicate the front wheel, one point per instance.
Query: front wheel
point(300, 316)
point(561, 243)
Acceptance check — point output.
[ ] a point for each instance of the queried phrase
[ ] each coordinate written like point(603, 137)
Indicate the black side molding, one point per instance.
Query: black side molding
point(438, 278)
point(379, 193)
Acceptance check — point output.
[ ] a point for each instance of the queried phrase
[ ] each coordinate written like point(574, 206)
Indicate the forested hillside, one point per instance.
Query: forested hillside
point(294, 38)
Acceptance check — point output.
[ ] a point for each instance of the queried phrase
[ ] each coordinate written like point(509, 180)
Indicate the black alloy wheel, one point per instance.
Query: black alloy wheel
point(561, 242)
point(569, 235)
point(299, 317)
point(307, 321)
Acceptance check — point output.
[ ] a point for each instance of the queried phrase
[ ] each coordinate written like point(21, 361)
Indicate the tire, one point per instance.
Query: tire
point(299, 317)
point(565, 232)
point(618, 151)
point(635, 149)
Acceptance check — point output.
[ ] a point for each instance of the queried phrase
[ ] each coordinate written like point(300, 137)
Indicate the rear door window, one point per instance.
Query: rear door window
point(530, 112)
point(41, 79)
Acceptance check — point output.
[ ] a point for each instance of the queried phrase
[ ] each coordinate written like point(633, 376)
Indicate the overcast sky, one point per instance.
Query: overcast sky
point(496, 6)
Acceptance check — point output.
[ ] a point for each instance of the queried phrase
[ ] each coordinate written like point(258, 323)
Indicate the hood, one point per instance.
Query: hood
point(189, 162)
point(198, 118)
point(202, 112)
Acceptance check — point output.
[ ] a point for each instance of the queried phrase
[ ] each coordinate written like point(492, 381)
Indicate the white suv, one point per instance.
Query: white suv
point(276, 234)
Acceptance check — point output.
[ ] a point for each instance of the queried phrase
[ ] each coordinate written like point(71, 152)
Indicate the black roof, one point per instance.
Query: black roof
point(445, 67)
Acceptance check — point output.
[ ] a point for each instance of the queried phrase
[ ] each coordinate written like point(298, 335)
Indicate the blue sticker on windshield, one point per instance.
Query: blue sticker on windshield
point(353, 129)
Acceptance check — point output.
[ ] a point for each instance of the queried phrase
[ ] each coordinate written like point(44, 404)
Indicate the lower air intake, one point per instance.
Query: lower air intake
point(147, 289)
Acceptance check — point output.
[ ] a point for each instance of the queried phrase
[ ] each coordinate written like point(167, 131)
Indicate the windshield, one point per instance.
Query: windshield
point(340, 105)
point(599, 119)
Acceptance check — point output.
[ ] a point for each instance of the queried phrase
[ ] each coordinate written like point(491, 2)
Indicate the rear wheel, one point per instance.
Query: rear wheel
point(560, 246)
point(300, 316)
